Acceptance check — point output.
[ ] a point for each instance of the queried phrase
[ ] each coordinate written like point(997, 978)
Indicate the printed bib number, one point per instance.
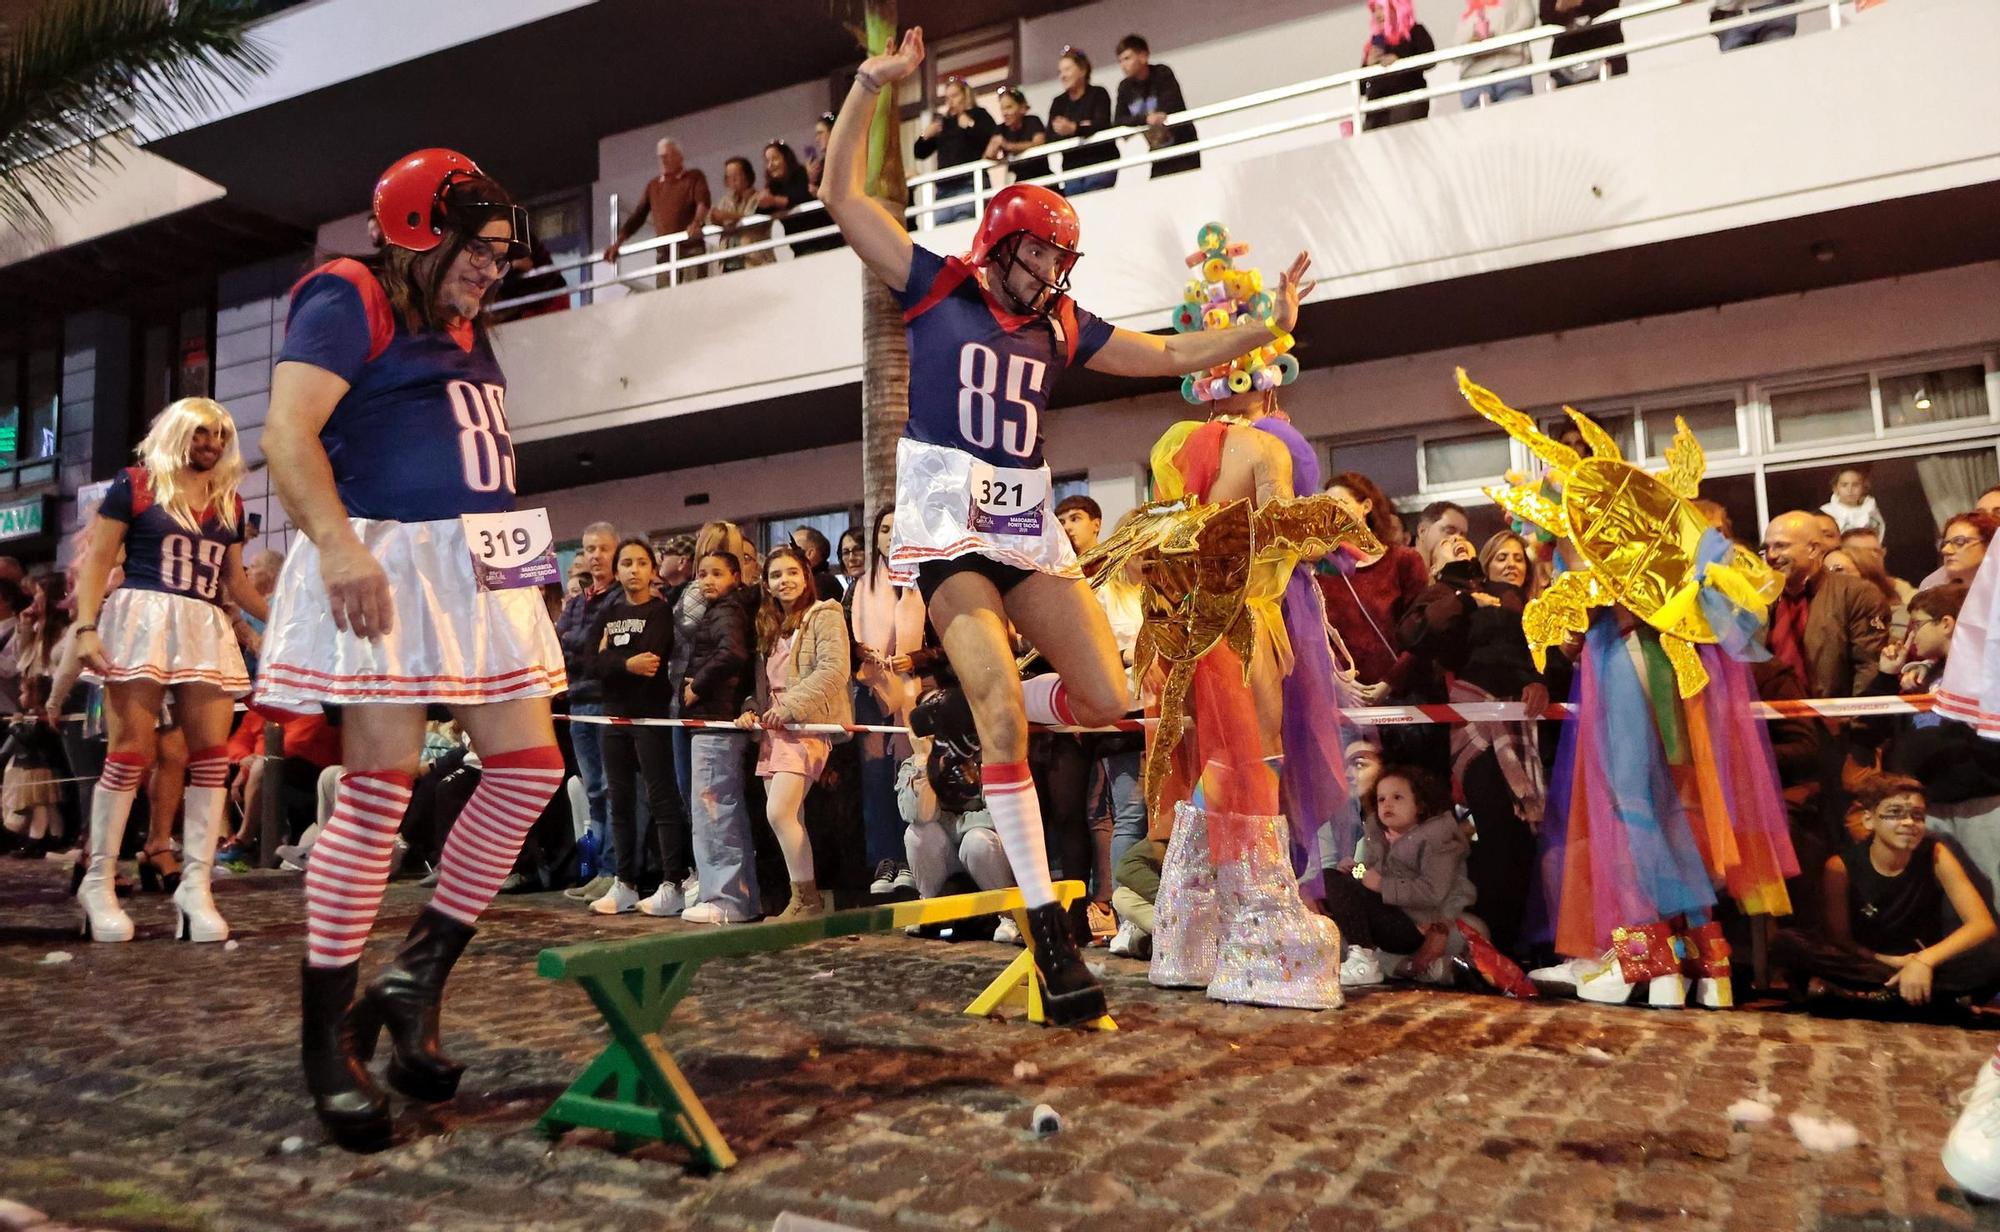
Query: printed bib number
point(511, 551)
point(1007, 501)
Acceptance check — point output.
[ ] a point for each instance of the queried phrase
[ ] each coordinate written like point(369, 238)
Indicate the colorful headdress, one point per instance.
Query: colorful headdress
point(1643, 544)
point(1219, 296)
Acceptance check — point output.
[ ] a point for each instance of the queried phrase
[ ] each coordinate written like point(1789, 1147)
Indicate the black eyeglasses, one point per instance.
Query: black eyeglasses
point(491, 252)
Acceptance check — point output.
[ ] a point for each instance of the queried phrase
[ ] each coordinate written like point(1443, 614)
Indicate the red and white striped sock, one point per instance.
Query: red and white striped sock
point(1017, 815)
point(206, 803)
point(349, 864)
point(209, 768)
point(111, 803)
point(486, 839)
point(1047, 701)
point(122, 772)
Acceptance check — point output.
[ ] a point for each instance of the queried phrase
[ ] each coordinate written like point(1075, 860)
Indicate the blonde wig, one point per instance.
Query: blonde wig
point(164, 454)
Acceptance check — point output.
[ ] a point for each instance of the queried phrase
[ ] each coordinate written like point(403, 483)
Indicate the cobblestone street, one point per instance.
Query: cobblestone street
point(155, 1085)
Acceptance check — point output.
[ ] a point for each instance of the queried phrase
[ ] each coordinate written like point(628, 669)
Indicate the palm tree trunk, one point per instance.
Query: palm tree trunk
point(885, 356)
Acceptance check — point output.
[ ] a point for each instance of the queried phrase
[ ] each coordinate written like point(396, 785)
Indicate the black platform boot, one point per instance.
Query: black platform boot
point(1070, 993)
point(346, 1099)
point(404, 998)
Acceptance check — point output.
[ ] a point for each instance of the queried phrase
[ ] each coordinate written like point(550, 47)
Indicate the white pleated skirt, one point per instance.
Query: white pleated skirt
point(934, 512)
point(169, 639)
point(450, 643)
point(1970, 689)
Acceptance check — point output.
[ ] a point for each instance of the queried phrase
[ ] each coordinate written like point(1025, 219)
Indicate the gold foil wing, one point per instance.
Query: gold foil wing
point(1561, 612)
point(1560, 457)
point(1685, 462)
point(1600, 442)
point(1312, 526)
point(1529, 505)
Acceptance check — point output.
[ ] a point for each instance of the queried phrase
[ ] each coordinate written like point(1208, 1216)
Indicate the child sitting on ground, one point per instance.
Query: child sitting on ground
point(1407, 886)
point(1887, 937)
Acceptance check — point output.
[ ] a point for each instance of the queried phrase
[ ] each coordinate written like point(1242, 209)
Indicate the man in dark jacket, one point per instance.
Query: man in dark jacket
point(580, 614)
point(1146, 97)
point(957, 135)
point(1830, 626)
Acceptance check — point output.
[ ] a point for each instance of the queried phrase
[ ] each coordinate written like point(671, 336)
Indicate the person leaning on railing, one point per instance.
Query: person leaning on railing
point(1394, 33)
point(957, 135)
point(1148, 94)
point(1581, 32)
point(740, 199)
point(1490, 19)
point(677, 201)
point(1081, 110)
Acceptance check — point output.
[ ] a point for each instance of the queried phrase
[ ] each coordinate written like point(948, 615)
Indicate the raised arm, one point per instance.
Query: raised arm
point(870, 229)
point(100, 552)
point(302, 400)
point(1130, 353)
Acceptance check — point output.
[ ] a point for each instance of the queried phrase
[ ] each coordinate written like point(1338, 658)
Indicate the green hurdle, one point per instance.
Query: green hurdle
point(636, 1091)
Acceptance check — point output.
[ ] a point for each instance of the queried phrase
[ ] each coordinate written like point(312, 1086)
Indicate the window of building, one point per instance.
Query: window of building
point(1462, 461)
point(1916, 398)
point(1822, 413)
point(1713, 422)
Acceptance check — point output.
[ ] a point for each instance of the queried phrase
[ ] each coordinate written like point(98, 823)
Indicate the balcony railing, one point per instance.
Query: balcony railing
point(1345, 112)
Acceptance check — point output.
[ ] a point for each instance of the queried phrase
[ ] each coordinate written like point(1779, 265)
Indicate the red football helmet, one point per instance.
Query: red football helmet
point(1028, 210)
point(423, 191)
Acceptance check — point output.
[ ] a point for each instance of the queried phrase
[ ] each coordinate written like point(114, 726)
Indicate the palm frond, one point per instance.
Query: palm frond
point(85, 69)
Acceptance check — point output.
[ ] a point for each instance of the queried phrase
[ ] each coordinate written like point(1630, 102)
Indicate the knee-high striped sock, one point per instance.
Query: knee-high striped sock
point(350, 864)
point(207, 798)
point(1046, 699)
point(111, 803)
point(486, 839)
point(1017, 815)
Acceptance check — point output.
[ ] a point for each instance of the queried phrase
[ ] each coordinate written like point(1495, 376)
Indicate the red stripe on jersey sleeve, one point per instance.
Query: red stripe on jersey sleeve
point(374, 300)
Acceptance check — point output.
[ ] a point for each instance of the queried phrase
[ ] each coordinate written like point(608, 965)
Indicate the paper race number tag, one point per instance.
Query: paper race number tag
point(511, 551)
point(1006, 501)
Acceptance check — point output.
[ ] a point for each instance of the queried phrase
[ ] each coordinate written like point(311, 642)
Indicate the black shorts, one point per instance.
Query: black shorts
point(932, 573)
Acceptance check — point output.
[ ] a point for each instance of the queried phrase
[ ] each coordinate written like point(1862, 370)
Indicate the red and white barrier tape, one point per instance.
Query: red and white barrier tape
point(1365, 716)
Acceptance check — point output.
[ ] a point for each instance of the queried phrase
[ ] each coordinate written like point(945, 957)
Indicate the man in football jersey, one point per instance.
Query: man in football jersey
point(389, 448)
point(987, 336)
point(178, 521)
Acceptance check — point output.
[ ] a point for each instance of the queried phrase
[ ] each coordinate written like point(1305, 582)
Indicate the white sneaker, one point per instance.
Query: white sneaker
point(713, 913)
point(1972, 1151)
point(1007, 933)
point(666, 902)
point(905, 879)
point(620, 899)
point(1125, 939)
point(1362, 968)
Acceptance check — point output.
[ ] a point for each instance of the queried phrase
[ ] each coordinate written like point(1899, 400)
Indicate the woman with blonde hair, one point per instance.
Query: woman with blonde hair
point(179, 522)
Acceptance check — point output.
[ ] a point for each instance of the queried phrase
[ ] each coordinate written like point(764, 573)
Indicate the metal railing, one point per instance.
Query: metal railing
point(1352, 110)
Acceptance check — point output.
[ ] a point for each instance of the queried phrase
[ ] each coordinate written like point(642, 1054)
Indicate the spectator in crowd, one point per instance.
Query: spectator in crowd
point(1988, 503)
point(30, 797)
point(521, 280)
point(1469, 623)
point(1138, 886)
point(1717, 516)
point(1489, 19)
point(1864, 548)
point(676, 566)
point(1147, 95)
point(677, 201)
point(890, 651)
point(579, 578)
point(741, 199)
point(1083, 111)
point(13, 601)
point(1963, 545)
point(1867, 566)
point(630, 645)
point(1767, 31)
point(959, 134)
point(718, 683)
point(1366, 597)
point(1018, 133)
point(689, 606)
point(11, 570)
point(580, 614)
point(1082, 520)
point(1960, 769)
point(947, 830)
point(1852, 506)
point(853, 556)
point(815, 168)
point(1831, 628)
point(1394, 33)
point(1406, 887)
point(1889, 911)
point(1363, 758)
point(785, 190)
point(801, 678)
point(1121, 756)
point(1439, 521)
point(818, 553)
point(1582, 33)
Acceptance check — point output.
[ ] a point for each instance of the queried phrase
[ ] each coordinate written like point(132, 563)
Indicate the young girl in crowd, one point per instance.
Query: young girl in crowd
point(803, 679)
point(1851, 505)
point(889, 655)
point(1407, 886)
point(717, 684)
point(633, 641)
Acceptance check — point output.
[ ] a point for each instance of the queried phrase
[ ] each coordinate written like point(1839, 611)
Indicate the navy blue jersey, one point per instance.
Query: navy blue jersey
point(980, 376)
point(421, 434)
point(160, 553)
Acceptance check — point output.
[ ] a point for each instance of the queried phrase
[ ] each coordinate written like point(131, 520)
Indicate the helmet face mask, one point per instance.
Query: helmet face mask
point(463, 205)
point(1033, 272)
point(429, 191)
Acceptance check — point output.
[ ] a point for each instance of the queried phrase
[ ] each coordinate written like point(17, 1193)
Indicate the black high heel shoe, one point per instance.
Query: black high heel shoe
point(405, 998)
point(345, 1097)
point(159, 871)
